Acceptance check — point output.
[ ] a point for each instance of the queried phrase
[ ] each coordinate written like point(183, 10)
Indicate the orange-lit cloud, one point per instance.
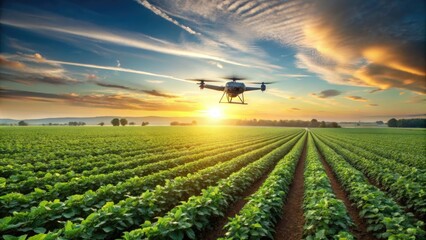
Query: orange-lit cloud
point(92, 77)
point(108, 101)
point(4, 62)
point(149, 92)
point(356, 98)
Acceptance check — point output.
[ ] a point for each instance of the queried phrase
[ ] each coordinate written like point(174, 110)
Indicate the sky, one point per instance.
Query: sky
point(331, 60)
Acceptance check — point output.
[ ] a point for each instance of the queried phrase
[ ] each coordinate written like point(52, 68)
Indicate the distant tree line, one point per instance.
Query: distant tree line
point(22, 123)
point(407, 123)
point(314, 123)
point(175, 123)
point(76, 123)
point(123, 122)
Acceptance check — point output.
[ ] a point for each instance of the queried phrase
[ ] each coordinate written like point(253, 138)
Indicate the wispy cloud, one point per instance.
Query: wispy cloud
point(376, 90)
point(17, 65)
point(34, 70)
point(280, 93)
point(115, 69)
point(11, 64)
point(416, 99)
point(366, 44)
point(92, 77)
point(293, 75)
point(327, 93)
point(154, 81)
point(108, 101)
point(56, 24)
point(356, 98)
point(162, 14)
point(149, 92)
point(216, 64)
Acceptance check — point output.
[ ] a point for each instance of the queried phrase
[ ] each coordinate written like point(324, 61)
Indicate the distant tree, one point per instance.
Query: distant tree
point(408, 123)
point(123, 122)
point(334, 125)
point(392, 122)
point(380, 122)
point(314, 123)
point(174, 123)
point(101, 124)
point(50, 124)
point(194, 122)
point(132, 123)
point(115, 122)
point(22, 123)
point(322, 124)
point(145, 123)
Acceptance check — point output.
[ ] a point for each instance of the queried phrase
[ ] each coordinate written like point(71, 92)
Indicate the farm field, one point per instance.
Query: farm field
point(212, 183)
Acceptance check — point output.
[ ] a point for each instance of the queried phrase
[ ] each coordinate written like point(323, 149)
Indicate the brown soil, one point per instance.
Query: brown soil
point(218, 224)
point(360, 229)
point(290, 226)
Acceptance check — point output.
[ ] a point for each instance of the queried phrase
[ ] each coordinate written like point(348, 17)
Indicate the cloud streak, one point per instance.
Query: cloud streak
point(356, 98)
point(62, 25)
point(109, 101)
point(162, 14)
point(370, 44)
point(149, 92)
point(115, 69)
point(327, 93)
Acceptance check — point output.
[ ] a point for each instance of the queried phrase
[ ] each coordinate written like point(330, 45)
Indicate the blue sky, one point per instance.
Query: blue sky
point(332, 60)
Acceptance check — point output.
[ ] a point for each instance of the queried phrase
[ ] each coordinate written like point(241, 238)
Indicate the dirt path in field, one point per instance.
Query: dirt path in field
point(217, 230)
point(360, 229)
point(290, 226)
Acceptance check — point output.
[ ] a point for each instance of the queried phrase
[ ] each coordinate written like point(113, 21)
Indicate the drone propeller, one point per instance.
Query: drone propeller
point(262, 82)
point(202, 80)
point(235, 78)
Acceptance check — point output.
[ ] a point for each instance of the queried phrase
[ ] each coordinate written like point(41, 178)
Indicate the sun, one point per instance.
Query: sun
point(215, 113)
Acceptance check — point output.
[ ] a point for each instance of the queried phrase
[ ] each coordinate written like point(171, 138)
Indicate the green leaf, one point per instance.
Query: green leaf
point(107, 229)
point(10, 237)
point(190, 233)
point(40, 230)
point(177, 235)
point(320, 234)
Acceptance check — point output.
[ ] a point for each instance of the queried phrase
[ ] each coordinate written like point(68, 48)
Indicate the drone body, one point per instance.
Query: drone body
point(232, 89)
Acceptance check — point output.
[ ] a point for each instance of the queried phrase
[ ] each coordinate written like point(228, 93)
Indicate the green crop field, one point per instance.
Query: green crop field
point(212, 183)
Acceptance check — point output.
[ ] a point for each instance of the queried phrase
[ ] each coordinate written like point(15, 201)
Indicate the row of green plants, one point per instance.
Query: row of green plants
point(26, 181)
point(192, 217)
point(397, 147)
point(384, 217)
point(15, 202)
point(405, 184)
point(53, 214)
point(35, 151)
point(395, 166)
point(257, 219)
point(325, 216)
point(48, 155)
point(126, 165)
point(113, 219)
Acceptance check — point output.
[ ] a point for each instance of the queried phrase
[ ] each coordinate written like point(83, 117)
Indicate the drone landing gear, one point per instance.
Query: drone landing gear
point(229, 99)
